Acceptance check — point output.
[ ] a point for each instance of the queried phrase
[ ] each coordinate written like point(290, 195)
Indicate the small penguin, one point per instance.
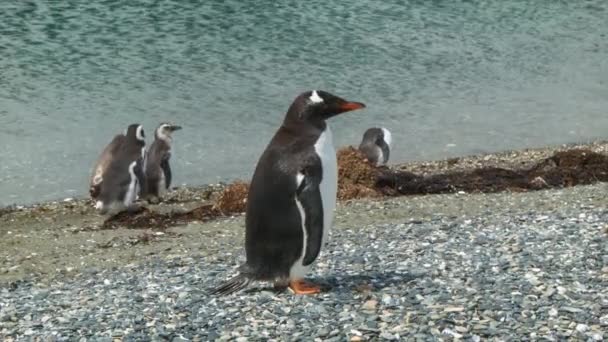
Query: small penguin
point(291, 197)
point(157, 168)
point(118, 173)
point(376, 145)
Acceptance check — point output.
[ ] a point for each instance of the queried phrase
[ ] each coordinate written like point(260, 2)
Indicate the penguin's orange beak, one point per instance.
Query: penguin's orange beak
point(337, 105)
point(348, 106)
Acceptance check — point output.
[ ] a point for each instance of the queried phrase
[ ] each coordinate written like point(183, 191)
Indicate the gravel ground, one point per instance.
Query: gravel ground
point(509, 266)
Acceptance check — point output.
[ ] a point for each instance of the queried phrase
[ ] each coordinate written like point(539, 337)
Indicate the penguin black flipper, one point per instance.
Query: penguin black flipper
point(166, 169)
point(310, 204)
point(140, 175)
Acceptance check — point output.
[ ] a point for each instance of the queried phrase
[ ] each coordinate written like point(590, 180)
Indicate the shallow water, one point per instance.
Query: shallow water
point(446, 77)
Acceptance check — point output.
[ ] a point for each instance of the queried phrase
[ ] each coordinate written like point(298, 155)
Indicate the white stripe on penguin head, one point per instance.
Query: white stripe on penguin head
point(140, 133)
point(315, 98)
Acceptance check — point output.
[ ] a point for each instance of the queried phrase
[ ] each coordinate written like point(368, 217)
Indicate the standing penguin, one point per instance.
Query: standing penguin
point(157, 169)
point(376, 145)
point(292, 197)
point(118, 173)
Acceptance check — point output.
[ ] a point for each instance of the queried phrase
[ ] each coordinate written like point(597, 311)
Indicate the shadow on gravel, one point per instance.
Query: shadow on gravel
point(362, 283)
point(366, 282)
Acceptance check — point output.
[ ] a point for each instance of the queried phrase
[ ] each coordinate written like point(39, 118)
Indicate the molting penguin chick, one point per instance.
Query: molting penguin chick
point(118, 173)
point(376, 145)
point(292, 196)
point(157, 169)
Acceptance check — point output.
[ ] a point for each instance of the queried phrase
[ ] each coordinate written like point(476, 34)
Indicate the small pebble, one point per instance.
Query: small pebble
point(370, 305)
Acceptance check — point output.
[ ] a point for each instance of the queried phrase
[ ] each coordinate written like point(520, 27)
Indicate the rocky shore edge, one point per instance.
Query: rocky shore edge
point(444, 173)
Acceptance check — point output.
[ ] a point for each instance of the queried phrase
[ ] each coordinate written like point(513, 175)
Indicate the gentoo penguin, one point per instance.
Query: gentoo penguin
point(376, 145)
point(118, 172)
point(157, 169)
point(291, 197)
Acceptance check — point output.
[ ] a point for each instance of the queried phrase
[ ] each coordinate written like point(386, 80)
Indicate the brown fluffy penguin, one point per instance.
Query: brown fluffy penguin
point(376, 145)
point(118, 173)
point(157, 169)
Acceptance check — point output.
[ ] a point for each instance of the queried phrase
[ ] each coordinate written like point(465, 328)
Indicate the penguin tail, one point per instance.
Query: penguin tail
point(232, 285)
point(101, 207)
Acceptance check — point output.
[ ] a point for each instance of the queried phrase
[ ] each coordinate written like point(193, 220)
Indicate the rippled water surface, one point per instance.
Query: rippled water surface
point(447, 77)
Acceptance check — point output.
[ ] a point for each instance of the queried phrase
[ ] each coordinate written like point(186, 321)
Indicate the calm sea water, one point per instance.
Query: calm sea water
point(446, 77)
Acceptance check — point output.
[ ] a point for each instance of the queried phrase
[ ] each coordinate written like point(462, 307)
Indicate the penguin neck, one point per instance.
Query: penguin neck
point(164, 137)
point(304, 127)
point(137, 142)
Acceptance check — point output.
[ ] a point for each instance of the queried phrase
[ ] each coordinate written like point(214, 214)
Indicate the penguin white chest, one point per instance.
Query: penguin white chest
point(324, 147)
point(380, 154)
point(132, 190)
point(162, 185)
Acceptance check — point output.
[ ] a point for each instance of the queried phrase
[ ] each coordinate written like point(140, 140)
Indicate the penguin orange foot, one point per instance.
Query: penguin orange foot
point(304, 287)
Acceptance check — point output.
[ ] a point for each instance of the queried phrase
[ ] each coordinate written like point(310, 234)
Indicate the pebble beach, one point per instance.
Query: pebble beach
point(488, 223)
point(503, 266)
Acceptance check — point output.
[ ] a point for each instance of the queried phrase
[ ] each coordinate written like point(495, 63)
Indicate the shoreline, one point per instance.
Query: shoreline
point(510, 159)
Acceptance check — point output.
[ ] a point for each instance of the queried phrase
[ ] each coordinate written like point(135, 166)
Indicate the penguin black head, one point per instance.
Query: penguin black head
point(136, 131)
point(316, 106)
point(165, 130)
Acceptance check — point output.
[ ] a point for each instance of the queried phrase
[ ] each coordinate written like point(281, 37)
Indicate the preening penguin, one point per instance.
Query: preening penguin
point(118, 173)
point(292, 196)
point(376, 145)
point(157, 168)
